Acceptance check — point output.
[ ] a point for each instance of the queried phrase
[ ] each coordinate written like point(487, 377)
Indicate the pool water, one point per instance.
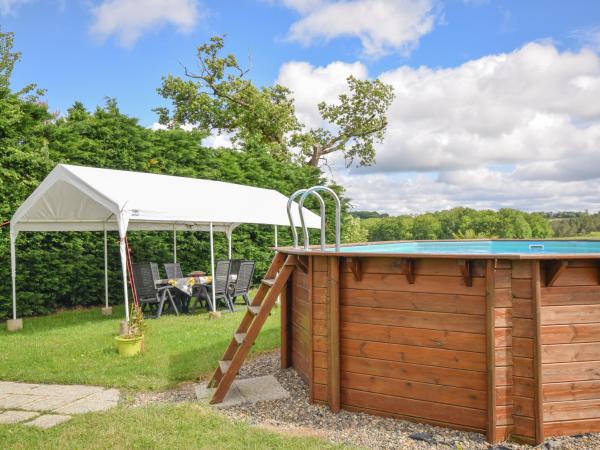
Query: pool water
point(490, 247)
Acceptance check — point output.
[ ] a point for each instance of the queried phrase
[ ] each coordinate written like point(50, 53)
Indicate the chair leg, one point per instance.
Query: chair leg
point(172, 302)
point(246, 298)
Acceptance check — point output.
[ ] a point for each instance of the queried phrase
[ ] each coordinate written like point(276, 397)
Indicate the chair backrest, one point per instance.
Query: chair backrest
point(173, 270)
point(235, 266)
point(144, 275)
point(221, 276)
point(244, 277)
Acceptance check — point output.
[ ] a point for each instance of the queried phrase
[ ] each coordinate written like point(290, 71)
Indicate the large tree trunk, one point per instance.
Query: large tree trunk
point(316, 155)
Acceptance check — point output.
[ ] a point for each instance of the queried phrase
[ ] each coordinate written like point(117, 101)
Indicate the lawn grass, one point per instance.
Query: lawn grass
point(153, 427)
point(77, 347)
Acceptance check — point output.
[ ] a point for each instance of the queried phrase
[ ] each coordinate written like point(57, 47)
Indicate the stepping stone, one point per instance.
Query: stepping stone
point(71, 391)
point(10, 387)
point(249, 390)
point(50, 403)
point(16, 416)
point(19, 401)
point(48, 421)
point(106, 395)
point(86, 405)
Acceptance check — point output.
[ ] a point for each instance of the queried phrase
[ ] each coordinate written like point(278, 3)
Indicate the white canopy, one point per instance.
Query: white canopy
point(76, 198)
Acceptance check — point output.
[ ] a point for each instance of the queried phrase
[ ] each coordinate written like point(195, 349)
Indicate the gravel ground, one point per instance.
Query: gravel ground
point(294, 415)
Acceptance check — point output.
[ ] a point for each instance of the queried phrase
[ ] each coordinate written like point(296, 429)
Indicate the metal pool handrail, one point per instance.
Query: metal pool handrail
point(290, 218)
point(338, 207)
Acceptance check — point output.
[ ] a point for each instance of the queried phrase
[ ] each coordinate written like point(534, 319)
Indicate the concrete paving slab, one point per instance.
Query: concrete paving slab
point(18, 401)
point(106, 395)
point(71, 391)
point(86, 405)
point(48, 403)
point(16, 416)
point(249, 390)
point(48, 421)
point(11, 387)
point(260, 389)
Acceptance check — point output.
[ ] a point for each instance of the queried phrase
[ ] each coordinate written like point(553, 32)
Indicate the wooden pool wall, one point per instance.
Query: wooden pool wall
point(508, 348)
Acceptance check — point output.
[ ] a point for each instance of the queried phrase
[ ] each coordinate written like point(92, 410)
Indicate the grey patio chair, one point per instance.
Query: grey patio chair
point(145, 276)
point(241, 286)
point(221, 282)
point(173, 270)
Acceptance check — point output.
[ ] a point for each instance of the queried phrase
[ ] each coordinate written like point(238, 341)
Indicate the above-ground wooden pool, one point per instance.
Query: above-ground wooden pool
point(499, 337)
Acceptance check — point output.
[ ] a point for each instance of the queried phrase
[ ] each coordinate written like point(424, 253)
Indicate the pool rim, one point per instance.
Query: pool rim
point(316, 250)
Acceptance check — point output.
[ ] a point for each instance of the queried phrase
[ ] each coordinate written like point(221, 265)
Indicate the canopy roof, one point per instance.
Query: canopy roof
point(77, 198)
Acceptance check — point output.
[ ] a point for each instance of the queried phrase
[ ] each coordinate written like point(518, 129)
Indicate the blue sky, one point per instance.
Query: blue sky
point(89, 49)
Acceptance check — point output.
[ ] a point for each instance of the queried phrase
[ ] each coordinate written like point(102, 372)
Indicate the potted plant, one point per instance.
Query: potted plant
point(132, 342)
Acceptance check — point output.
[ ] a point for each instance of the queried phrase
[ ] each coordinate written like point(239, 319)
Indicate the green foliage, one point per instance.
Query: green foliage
point(220, 97)
point(66, 269)
point(367, 214)
point(354, 231)
point(460, 223)
point(573, 224)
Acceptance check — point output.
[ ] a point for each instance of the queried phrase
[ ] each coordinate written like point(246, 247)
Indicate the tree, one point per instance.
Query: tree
point(220, 98)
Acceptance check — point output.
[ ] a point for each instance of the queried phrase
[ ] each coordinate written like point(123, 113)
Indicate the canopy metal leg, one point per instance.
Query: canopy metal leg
point(174, 245)
point(212, 268)
point(276, 244)
point(13, 324)
point(229, 237)
point(105, 269)
point(123, 252)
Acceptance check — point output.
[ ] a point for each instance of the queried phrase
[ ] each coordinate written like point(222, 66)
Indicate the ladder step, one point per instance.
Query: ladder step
point(224, 366)
point(254, 309)
point(239, 337)
point(268, 281)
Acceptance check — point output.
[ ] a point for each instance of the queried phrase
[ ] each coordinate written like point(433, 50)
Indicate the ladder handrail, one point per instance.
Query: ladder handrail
point(338, 207)
point(290, 218)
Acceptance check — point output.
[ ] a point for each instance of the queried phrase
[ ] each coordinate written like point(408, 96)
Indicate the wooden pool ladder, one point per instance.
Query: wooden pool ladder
point(271, 286)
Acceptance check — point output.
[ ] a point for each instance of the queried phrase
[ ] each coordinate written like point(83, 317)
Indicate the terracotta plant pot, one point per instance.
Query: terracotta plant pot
point(129, 346)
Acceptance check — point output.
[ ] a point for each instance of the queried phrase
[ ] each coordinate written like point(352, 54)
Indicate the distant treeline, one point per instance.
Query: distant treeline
point(460, 223)
point(576, 224)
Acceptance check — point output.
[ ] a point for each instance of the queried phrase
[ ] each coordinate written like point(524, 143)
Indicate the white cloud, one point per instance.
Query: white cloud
point(534, 112)
point(8, 7)
point(383, 26)
point(588, 37)
point(312, 85)
point(129, 19)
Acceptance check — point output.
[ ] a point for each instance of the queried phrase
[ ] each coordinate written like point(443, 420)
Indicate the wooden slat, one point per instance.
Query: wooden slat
point(415, 372)
point(333, 382)
point(522, 328)
point(571, 352)
point(566, 315)
point(414, 301)
point(582, 295)
point(412, 389)
point(491, 352)
point(521, 288)
point(523, 367)
point(414, 408)
point(567, 334)
point(572, 427)
point(522, 347)
point(414, 319)
point(521, 269)
point(286, 324)
point(523, 406)
point(421, 337)
point(319, 263)
point(433, 284)
point(577, 390)
point(424, 266)
point(572, 410)
point(538, 397)
point(568, 372)
point(414, 355)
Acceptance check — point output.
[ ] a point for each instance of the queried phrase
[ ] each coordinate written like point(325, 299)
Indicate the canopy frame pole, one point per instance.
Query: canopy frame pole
point(13, 271)
point(174, 245)
point(212, 268)
point(229, 240)
point(105, 267)
point(276, 243)
point(124, 259)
